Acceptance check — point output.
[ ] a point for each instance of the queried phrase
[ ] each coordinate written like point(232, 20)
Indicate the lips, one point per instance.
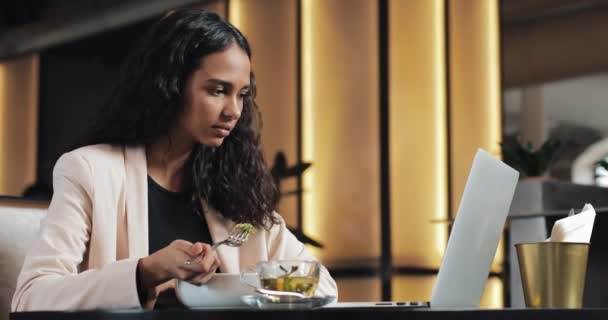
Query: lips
point(222, 131)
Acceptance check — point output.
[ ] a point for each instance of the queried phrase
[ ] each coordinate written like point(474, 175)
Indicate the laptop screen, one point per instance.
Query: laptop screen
point(475, 234)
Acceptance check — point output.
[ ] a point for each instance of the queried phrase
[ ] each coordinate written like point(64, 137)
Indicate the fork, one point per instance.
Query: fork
point(237, 237)
point(276, 293)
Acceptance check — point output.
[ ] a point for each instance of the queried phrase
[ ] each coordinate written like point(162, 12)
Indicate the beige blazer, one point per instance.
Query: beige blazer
point(96, 229)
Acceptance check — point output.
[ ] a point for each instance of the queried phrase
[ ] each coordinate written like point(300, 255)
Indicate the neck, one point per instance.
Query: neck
point(166, 159)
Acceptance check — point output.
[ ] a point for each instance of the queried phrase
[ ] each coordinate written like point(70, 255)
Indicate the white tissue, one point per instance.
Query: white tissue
point(574, 228)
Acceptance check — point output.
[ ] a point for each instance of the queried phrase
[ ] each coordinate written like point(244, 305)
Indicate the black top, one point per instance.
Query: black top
point(171, 216)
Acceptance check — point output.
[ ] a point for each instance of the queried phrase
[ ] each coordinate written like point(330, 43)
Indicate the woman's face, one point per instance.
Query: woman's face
point(213, 96)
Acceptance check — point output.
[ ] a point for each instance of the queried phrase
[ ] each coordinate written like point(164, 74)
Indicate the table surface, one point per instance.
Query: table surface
point(320, 314)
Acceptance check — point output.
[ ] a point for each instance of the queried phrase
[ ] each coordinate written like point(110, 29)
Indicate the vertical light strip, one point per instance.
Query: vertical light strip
point(495, 120)
point(309, 203)
point(236, 13)
point(475, 85)
point(18, 123)
point(3, 107)
point(441, 135)
point(475, 104)
point(340, 128)
point(493, 293)
point(31, 151)
point(275, 64)
point(494, 86)
point(418, 133)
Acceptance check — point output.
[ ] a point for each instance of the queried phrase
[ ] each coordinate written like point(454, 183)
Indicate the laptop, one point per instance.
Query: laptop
point(473, 240)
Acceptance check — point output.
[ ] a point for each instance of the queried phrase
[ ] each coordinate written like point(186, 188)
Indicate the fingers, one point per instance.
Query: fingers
point(191, 249)
point(209, 259)
point(193, 262)
point(219, 263)
point(207, 262)
point(197, 249)
point(165, 286)
point(181, 243)
point(202, 278)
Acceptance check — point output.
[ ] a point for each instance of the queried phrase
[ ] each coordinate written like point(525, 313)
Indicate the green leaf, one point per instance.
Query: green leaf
point(528, 161)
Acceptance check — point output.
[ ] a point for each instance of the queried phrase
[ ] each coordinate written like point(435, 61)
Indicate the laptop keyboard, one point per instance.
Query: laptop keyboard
point(381, 304)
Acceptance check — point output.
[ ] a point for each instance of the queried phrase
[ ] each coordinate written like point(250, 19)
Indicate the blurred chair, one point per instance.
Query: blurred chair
point(20, 223)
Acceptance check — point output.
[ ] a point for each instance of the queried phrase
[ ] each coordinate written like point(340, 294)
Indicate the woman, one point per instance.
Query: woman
point(173, 164)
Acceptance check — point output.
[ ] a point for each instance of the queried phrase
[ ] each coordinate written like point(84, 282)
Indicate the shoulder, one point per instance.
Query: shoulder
point(98, 152)
point(281, 242)
point(100, 157)
point(278, 228)
point(94, 155)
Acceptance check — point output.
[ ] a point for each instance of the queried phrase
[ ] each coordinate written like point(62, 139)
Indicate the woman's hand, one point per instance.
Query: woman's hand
point(169, 263)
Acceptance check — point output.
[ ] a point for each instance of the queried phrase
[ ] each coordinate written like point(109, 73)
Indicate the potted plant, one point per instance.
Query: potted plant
point(528, 161)
point(603, 163)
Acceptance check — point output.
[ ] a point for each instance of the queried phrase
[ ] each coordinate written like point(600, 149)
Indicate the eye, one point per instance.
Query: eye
point(244, 94)
point(218, 91)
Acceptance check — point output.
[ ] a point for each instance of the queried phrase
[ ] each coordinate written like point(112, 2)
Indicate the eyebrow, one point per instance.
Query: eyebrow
point(225, 83)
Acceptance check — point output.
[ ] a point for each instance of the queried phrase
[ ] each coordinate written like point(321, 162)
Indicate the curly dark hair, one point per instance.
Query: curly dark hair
point(148, 97)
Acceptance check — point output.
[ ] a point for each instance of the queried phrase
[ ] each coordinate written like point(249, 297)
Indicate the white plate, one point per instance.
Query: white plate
point(224, 290)
point(267, 302)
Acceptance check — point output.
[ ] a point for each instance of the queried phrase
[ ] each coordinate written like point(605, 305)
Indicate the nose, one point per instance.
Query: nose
point(233, 108)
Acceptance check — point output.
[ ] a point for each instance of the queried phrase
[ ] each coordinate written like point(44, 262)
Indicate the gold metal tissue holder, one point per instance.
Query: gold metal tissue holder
point(553, 273)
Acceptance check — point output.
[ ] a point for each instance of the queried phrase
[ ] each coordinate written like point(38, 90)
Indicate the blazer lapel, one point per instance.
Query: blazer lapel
point(219, 228)
point(136, 175)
